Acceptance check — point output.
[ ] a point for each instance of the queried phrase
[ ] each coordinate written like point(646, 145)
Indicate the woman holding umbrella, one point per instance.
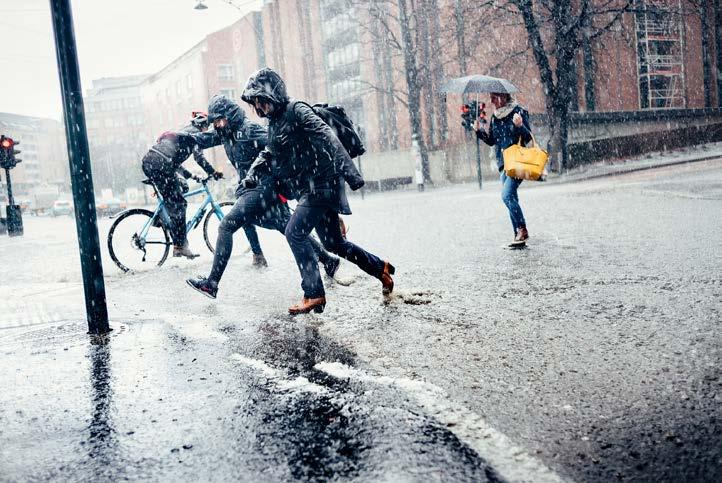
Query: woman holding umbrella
point(509, 123)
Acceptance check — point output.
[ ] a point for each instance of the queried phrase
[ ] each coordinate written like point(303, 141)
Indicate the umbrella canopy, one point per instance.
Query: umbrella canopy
point(477, 84)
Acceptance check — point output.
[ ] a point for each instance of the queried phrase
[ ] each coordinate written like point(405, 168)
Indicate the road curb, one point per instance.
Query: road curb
point(561, 180)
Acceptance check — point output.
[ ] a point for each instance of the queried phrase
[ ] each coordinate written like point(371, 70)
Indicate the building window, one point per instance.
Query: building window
point(660, 59)
point(189, 82)
point(225, 72)
point(229, 93)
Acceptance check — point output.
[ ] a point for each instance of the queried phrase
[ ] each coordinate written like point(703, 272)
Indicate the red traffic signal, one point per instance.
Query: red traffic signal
point(8, 152)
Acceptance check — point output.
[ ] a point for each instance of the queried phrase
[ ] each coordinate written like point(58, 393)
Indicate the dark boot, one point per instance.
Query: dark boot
point(204, 286)
point(184, 251)
point(307, 305)
point(331, 266)
point(259, 261)
point(386, 281)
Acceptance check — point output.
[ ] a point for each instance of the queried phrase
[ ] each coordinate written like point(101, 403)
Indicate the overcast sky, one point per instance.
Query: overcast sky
point(115, 38)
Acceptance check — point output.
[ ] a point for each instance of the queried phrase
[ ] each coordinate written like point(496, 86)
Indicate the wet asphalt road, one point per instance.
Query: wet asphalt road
point(597, 350)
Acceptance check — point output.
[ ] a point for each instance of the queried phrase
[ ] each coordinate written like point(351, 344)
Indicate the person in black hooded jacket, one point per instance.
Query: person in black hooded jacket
point(162, 164)
point(242, 140)
point(258, 205)
point(306, 156)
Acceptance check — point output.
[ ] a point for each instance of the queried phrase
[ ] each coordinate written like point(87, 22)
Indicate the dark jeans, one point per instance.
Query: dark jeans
point(325, 221)
point(252, 236)
point(250, 209)
point(171, 189)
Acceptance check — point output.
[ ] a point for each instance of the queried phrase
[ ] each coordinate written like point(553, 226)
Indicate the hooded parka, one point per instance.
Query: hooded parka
point(242, 139)
point(302, 150)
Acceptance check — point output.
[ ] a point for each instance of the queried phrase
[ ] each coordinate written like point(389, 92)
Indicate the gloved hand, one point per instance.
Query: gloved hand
point(197, 178)
point(217, 175)
point(183, 184)
point(249, 182)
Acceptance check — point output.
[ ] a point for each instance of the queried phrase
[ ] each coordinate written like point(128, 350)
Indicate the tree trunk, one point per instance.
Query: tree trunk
point(545, 73)
point(706, 58)
point(423, 34)
point(718, 42)
point(378, 57)
point(414, 89)
point(438, 75)
point(461, 48)
point(564, 100)
point(390, 100)
point(566, 93)
point(589, 71)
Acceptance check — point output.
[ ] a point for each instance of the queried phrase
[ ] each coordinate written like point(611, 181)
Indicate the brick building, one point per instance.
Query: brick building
point(339, 51)
point(332, 50)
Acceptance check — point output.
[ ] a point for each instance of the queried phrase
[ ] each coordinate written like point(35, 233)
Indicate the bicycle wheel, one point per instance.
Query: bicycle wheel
point(128, 250)
point(211, 224)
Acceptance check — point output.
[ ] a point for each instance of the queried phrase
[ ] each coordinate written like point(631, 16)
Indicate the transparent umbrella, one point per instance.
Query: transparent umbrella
point(478, 84)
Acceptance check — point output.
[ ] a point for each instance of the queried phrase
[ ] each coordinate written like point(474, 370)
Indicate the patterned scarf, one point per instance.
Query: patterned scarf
point(504, 111)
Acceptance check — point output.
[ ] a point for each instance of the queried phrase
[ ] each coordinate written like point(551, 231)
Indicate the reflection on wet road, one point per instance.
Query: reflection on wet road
point(253, 405)
point(594, 353)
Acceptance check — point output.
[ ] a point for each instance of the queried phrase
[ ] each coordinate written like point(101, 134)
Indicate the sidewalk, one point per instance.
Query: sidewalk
point(647, 161)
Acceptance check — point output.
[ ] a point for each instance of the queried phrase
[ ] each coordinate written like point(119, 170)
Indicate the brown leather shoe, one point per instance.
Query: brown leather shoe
point(307, 305)
point(522, 234)
point(386, 281)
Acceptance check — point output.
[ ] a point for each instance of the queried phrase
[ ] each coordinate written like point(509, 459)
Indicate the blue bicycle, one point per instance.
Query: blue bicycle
point(139, 238)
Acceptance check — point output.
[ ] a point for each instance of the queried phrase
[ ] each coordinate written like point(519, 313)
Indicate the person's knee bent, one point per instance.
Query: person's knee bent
point(228, 226)
point(293, 236)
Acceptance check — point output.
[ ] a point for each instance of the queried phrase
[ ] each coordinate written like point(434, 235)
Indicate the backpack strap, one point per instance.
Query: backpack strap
point(292, 107)
point(162, 155)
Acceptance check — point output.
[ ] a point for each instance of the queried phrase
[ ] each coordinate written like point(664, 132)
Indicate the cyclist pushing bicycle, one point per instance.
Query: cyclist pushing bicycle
point(162, 165)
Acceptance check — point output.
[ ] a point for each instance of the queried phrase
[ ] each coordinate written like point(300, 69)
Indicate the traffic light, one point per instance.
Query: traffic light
point(471, 111)
point(8, 152)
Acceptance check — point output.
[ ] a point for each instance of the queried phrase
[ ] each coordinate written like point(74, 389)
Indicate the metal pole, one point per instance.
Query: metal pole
point(478, 146)
point(80, 173)
point(11, 201)
point(478, 161)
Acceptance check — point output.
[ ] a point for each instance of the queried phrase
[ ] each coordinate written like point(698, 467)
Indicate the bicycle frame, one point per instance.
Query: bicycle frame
point(161, 212)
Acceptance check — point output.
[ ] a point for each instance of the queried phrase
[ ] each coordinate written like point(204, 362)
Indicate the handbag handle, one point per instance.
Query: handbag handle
point(533, 140)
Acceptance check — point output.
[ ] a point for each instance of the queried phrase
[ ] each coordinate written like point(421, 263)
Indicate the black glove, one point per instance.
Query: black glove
point(197, 178)
point(217, 175)
point(249, 182)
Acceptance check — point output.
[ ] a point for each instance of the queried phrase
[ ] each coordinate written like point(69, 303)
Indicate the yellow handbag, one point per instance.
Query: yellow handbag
point(525, 163)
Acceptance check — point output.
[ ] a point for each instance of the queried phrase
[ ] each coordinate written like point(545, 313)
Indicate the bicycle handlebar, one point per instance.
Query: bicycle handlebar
point(203, 180)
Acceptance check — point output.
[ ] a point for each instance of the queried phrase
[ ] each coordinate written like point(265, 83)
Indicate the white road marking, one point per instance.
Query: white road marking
point(279, 377)
point(510, 461)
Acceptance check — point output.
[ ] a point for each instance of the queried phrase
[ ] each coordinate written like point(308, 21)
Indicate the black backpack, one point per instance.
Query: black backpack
point(342, 125)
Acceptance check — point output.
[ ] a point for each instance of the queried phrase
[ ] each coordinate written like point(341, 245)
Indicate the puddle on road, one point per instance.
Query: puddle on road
point(48, 337)
point(411, 297)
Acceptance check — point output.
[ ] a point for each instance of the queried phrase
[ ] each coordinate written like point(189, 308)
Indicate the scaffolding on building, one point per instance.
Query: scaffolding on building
point(660, 54)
